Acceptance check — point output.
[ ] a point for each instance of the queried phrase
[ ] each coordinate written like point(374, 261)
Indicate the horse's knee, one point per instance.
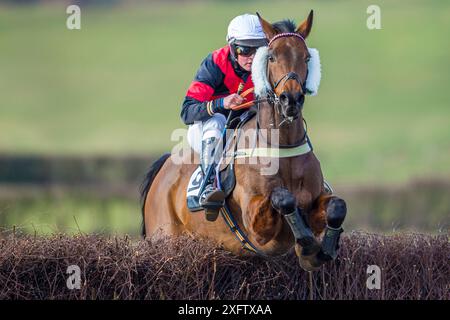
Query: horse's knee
point(336, 211)
point(283, 200)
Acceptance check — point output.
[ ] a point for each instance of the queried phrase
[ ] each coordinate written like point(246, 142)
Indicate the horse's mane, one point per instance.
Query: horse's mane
point(285, 25)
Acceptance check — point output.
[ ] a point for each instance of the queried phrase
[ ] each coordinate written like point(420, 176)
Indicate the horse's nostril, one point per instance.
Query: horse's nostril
point(300, 99)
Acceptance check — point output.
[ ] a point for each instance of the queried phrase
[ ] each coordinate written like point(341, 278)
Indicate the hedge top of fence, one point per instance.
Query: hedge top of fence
point(413, 266)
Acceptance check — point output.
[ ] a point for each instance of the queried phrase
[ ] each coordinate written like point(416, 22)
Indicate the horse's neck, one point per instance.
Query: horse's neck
point(288, 134)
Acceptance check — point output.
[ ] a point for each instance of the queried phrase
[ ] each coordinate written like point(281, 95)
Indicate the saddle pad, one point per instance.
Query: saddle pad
point(193, 189)
point(226, 182)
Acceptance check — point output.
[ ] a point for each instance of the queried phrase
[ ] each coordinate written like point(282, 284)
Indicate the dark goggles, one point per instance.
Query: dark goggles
point(244, 50)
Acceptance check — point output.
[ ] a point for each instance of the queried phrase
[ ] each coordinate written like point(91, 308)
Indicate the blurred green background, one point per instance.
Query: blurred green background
point(114, 89)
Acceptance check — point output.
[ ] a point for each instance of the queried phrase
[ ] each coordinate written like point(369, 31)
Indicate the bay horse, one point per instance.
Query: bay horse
point(274, 213)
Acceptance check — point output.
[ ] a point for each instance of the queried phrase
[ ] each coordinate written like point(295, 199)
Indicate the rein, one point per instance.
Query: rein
point(248, 104)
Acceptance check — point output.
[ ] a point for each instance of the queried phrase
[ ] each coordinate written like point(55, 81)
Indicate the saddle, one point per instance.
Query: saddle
point(225, 177)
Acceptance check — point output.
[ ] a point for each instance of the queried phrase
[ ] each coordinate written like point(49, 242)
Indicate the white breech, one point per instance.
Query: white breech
point(199, 131)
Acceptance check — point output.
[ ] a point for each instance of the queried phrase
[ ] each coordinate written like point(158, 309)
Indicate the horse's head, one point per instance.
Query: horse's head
point(281, 69)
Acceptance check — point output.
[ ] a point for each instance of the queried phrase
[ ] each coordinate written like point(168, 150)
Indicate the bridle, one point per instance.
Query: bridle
point(274, 100)
point(290, 75)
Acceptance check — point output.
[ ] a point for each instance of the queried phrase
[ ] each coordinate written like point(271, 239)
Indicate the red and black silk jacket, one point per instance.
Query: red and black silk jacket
point(218, 76)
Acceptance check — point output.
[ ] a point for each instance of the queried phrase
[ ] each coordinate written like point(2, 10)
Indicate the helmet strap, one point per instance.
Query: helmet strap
point(233, 51)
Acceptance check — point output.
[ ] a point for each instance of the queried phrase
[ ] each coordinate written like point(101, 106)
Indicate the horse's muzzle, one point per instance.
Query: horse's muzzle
point(292, 104)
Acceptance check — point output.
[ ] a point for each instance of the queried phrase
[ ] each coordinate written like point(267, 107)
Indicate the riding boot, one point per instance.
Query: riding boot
point(212, 198)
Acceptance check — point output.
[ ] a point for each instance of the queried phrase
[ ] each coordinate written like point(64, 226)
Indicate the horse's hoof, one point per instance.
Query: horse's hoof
point(308, 264)
point(307, 248)
point(311, 249)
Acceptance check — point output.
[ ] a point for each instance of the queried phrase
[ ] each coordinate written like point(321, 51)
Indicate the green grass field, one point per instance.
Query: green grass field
point(116, 86)
point(71, 214)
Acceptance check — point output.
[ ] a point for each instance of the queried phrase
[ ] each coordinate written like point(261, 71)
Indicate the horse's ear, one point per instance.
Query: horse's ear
point(267, 27)
point(305, 27)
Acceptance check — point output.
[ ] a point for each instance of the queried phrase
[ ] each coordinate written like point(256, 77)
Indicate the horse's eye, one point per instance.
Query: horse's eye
point(307, 59)
point(271, 58)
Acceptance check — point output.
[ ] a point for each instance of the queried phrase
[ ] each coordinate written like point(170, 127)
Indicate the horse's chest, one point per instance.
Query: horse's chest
point(288, 175)
point(292, 174)
point(296, 176)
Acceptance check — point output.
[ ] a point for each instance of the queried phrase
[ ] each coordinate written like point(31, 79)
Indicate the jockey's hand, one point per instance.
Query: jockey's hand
point(232, 100)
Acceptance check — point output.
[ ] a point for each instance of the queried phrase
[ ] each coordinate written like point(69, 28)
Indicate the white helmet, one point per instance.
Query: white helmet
point(246, 30)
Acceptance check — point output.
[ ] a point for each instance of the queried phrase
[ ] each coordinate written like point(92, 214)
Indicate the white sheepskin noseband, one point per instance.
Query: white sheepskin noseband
point(259, 72)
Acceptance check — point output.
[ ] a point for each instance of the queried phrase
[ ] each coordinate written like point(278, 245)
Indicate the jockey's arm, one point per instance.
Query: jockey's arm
point(199, 104)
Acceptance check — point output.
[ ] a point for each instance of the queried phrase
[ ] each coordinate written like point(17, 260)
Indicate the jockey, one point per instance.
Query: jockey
point(213, 92)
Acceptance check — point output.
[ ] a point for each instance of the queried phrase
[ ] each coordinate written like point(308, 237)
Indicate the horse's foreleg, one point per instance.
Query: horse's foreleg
point(336, 210)
point(328, 214)
point(285, 202)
